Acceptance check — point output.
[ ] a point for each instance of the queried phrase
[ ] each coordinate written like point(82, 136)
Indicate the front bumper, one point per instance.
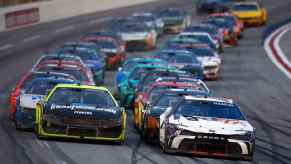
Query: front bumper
point(211, 145)
point(252, 21)
point(81, 129)
point(25, 117)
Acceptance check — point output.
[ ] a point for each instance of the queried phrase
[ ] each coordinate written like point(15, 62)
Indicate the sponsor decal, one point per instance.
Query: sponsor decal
point(21, 17)
point(75, 108)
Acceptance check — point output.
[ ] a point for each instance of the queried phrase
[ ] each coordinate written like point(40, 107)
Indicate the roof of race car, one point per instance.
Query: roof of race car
point(210, 99)
point(81, 87)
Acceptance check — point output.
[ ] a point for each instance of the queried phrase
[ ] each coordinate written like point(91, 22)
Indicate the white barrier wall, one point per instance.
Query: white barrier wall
point(60, 9)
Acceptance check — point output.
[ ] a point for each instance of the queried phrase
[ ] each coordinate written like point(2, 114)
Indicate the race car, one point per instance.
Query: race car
point(175, 20)
point(161, 75)
point(151, 21)
point(213, 6)
point(227, 28)
point(204, 38)
point(26, 80)
point(182, 60)
point(206, 126)
point(238, 24)
point(129, 64)
point(250, 12)
point(208, 28)
point(209, 59)
point(79, 72)
point(151, 114)
point(113, 48)
point(128, 85)
point(156, 88)
point(80, 112)
point(90, 55)
point(138, 36)
point(30, 95)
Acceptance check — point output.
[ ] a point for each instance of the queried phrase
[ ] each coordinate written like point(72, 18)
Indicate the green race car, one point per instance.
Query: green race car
point(128, 85)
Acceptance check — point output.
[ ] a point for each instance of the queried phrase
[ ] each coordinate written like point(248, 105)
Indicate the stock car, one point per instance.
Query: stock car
point(156, 88)
point(112, 47)
point(160, 75)
point(129, 64)
point(80, 112)
point(206, 126)
point(137, 35)
point(128, 85)
point(208, 28)
point(204, 38)
point(175, 20)
point(94, 61)
point(26, 80)
point(182, 60)
point(153, 110)
point(213, 6)
point(30, 95)
point(238, 24)
point(209, 59)
point(151, 21)
point(79, 72)
point(226, 27)
point(250, 12)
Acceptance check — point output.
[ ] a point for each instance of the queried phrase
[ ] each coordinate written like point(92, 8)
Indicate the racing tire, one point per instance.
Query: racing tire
point(144, 134)
point(18, 126)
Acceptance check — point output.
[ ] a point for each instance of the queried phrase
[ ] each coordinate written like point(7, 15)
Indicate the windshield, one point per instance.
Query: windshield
point(203, 52)
point(84, 54)
point(69, 96)
point(209, 109)
point(41, 87)
point(156, 91)
point(245, 7)
point(168, 100)
point(201, 38)
point(181, 59)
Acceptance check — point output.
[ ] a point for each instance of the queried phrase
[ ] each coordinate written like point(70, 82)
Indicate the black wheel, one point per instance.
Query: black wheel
point(18, 126)
point(144, 133)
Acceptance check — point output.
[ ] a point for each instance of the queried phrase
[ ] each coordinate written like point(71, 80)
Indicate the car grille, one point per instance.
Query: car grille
point(79, 129)
point(209, 143)
point(210, 67)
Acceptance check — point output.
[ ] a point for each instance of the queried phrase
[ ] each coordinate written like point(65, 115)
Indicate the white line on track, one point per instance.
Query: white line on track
point(47, 145)
point(67, 28)
point(276, 37)
point(39, 143)
point(28, 39)
point(61, 162)
point(99, 20)
point(5, 47)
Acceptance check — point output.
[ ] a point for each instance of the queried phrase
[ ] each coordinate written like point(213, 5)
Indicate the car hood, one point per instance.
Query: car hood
point(30, 100)
point(82, 111)
point(212, 125)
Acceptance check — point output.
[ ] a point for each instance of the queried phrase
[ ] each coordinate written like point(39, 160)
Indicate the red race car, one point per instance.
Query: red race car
point(239, 25)
point(77, 70)
point(111, 45)
point(25, 80)
point(144, 98)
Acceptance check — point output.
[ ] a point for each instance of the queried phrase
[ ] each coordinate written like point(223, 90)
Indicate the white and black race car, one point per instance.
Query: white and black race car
point(207, 126)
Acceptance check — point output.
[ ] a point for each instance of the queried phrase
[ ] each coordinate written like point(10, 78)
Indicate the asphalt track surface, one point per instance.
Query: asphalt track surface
point(247, 76)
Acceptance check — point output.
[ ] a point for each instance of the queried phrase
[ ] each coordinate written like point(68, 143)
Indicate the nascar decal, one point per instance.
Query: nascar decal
point(83, 107)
